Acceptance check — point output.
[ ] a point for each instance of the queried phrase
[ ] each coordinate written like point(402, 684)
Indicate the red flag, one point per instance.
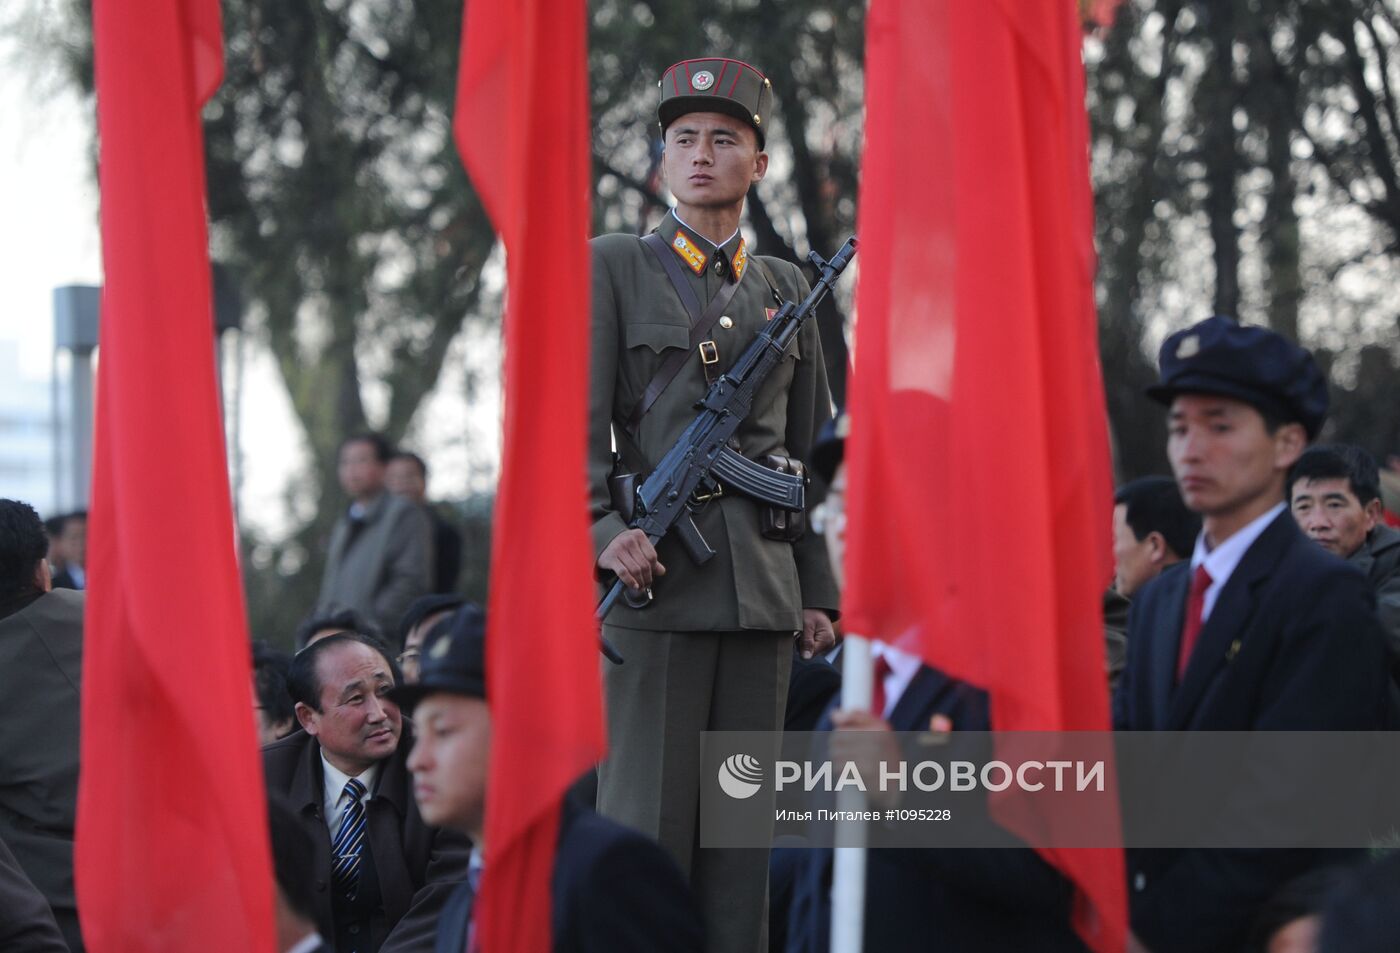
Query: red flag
point(979, 482)
point(171, 850)
point(522, 130)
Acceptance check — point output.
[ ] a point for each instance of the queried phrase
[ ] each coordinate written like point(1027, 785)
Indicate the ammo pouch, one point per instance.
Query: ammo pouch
point(775, 523)
point(622, 492)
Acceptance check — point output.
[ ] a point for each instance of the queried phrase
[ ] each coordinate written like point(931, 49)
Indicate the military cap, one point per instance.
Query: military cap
point(716, 86)
point(830, 447)
point(454, 659)
point(1220, 356)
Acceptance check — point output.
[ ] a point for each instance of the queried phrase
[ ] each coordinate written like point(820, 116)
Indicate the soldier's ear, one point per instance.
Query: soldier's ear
point(43, 576)
point(760, 168)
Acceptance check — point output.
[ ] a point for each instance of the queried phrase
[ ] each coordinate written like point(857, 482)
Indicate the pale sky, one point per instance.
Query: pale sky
point(49, 237)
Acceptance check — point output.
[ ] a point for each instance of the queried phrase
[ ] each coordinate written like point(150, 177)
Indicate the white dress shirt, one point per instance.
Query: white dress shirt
point(312, 941)
point(1221, 561)
point(903, 668)
point(334, 791)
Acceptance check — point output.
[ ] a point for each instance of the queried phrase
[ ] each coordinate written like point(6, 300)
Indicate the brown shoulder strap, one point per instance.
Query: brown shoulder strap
point(701, 323)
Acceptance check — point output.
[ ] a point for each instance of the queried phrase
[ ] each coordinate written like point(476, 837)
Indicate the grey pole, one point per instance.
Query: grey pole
point(75, 309)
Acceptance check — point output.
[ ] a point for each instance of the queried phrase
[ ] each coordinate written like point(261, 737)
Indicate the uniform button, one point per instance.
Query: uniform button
point(320, 885)
point(726, 322)
point(354, 928)
point(1140, 881)
point(719, 266)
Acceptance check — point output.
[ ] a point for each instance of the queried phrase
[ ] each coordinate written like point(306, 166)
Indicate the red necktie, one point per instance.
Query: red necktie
point(877, 691)
point(1195, 604)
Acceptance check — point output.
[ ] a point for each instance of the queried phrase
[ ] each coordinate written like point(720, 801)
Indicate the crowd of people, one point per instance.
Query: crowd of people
point(1257, 587)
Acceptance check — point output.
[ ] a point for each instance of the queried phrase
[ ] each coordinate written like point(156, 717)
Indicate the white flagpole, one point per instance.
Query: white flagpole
point(848, 873)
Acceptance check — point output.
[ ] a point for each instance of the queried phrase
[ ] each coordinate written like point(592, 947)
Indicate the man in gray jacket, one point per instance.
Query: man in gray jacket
point(41, 652)
point(1334, 492)
point(381, 550)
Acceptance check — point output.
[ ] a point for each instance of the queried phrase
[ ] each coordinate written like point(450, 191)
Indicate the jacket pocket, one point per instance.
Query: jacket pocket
point(658, 337)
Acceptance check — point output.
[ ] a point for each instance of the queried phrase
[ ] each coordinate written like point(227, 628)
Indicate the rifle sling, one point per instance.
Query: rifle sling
point(701, 324)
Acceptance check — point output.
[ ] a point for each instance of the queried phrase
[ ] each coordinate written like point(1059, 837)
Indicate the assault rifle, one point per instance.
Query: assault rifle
point(701, 461)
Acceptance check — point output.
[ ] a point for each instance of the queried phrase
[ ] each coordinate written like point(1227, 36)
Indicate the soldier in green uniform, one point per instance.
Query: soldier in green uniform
point(713, 649)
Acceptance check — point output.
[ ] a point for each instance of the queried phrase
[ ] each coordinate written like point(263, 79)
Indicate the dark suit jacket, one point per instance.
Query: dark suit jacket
point(613, 890)
point(416, 865)
point(26, 923)
point(41, 660)
point(447, 552)
point(953, 899)
point(63, 579)
point(1291, 644)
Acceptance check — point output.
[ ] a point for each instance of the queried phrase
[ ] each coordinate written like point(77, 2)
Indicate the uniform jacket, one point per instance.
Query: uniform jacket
point(41, 660)
point(954, 900)
point(638, 321)
point(381, 567)
point(26, 923)
point(613, 891)
point(416, 865)
point(1291, 644)
point(1379, 559)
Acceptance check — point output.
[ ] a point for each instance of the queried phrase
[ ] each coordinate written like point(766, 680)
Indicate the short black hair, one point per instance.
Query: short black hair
point(54, 524)
point(1154, 505)
point(1335, 462)
point(1303, 896)
point(339, 619)
point(304, 684)
point(424, 606)
point(409, 455)
point(383, 449)
point(270, 668)
point(293, 866)
point(1362, 916)
point(23, 543)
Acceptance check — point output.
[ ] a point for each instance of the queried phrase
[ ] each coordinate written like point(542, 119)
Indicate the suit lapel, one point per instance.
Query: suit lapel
point(918, 697)
point(1166, 641)
point(1228, 620)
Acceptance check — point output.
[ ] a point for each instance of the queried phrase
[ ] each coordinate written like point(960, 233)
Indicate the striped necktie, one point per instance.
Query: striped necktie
point(349, 842)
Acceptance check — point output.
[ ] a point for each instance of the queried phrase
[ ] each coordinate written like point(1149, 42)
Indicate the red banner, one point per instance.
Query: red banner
point(522, 130)
point(171, 850)
point(979, 482)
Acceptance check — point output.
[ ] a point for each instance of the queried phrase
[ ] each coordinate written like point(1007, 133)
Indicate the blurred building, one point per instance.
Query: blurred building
point(26, 435)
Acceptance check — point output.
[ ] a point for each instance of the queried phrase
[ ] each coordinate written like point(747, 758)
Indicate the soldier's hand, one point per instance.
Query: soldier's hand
point(633, 558)
point(817, 633)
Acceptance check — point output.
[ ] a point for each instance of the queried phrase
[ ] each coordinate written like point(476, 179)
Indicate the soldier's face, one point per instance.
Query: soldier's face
point(1329, 512)
point(711, 160)
point(451, 754)
point(1225, 460)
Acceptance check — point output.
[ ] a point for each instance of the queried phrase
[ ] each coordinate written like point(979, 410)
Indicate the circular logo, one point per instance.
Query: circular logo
point(740, 776)
point(702, 80)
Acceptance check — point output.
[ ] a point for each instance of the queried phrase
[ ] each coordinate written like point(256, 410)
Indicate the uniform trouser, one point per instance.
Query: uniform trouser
point(673, 686)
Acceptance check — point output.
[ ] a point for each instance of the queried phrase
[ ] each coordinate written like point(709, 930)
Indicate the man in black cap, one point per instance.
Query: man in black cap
point(613, 890)
point(1259, 630)
point(711, 651)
